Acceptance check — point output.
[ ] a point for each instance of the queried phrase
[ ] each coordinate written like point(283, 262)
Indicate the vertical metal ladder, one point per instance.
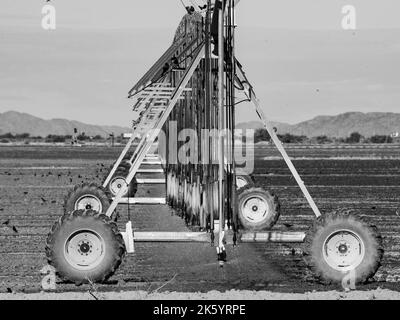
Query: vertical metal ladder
point(154, 103)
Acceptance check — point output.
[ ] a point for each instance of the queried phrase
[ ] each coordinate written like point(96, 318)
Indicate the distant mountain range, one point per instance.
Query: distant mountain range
point(17, 123)
point(340, 126)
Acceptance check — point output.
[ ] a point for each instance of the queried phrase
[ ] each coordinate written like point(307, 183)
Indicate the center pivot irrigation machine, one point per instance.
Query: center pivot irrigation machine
point(196, 84)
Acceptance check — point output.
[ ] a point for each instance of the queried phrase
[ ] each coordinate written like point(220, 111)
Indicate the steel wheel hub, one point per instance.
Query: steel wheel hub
point(84, 250)
point(116, 184)
point(88, 202)
point(343, 250)
point(255, 209)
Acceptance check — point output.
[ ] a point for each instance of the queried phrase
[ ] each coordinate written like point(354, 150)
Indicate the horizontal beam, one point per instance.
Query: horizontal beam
point(150, 181)
point(150, 171)
point(245, 237)
point(272, 236)
point(151, 162)
point(143, 200)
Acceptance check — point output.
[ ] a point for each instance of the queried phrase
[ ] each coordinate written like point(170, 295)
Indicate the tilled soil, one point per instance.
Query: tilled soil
point(35, 180)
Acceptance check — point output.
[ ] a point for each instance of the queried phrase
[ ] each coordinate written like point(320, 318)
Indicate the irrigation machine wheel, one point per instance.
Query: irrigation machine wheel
point(85, 246)
point(118, 180)
point(243, 180)
point(341, 242)
point(86, 197)
point(123, 164)
point(257, 208)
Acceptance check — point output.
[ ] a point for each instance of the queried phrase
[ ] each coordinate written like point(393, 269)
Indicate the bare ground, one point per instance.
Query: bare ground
point(34, 181)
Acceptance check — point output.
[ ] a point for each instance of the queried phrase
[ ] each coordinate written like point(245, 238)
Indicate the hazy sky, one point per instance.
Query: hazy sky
point(298, 58)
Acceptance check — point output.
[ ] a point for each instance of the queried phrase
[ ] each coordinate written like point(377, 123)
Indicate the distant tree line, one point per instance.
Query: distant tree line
point(53, 138)
point(262, 134)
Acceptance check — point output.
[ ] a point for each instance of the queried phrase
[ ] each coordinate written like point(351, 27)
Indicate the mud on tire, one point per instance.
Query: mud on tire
point(85, 246)
point(339, 242)
point(257, 208)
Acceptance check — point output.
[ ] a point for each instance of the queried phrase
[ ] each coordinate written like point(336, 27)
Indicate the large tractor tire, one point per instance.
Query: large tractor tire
point(341, 242)
point(87, 197)
point(118, 180)
point(257, 209)
point(85, 246)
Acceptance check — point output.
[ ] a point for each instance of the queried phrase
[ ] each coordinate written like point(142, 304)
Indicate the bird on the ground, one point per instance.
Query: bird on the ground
point(43, 199)
point(7, 224)
point(288, 225)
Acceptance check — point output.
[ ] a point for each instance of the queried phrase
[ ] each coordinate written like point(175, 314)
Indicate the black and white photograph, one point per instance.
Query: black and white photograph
point(199, 150)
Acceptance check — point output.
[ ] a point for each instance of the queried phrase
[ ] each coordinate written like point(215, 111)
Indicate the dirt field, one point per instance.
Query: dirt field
point(34, 181)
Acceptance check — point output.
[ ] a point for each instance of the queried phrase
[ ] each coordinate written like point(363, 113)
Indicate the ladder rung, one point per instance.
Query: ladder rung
point(163, 90)
point(156, 94)
point(162, 84)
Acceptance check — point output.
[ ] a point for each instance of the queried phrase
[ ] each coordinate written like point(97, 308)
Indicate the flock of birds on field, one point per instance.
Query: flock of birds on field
point(99, 172)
